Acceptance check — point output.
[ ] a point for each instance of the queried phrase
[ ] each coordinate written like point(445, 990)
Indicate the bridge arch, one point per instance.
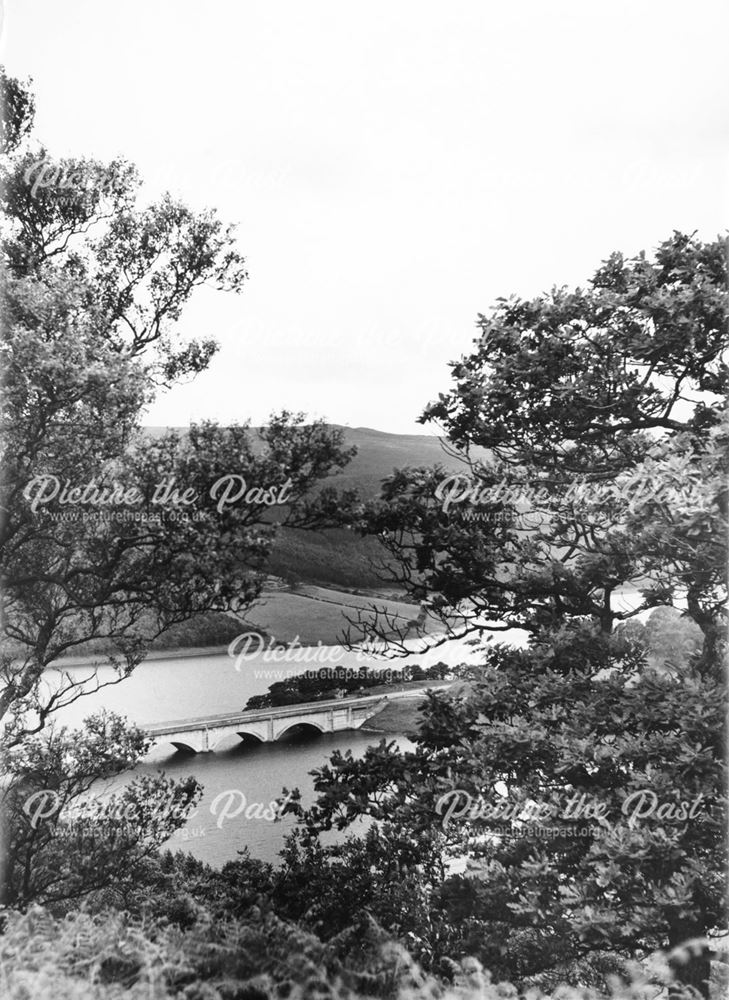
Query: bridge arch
point(229, 741)
point(182, 747)
point(248, 736)
point(300, 728)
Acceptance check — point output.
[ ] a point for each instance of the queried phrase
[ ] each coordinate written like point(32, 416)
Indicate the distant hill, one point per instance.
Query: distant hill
point(378, 454)
point(338, 558)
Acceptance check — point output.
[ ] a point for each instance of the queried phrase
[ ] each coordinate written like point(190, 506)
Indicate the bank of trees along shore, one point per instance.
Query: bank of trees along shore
point(333, 682)
point(613, 383)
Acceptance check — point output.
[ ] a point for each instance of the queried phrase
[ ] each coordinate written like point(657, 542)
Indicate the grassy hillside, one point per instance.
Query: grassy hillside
point(336, 558)
point(339, 558)
point(397, 717)
point(379, 453)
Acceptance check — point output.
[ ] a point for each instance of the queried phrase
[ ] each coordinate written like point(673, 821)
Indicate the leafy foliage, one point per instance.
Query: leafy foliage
point(604, 412)
point(605, 499)
point(110, 957)
point(92, 285)
point(91, 288)
point(565, 722)
point(64, 835)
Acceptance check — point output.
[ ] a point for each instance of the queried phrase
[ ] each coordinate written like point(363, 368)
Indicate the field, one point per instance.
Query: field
point(314, 614)
point(310, 614)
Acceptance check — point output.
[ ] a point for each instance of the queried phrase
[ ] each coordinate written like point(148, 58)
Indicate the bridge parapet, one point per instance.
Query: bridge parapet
point(204, 734)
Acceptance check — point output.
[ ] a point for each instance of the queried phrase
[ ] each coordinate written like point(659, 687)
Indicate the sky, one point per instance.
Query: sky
point(392, 167)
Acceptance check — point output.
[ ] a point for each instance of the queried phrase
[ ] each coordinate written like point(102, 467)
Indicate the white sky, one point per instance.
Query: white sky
point(393, 166)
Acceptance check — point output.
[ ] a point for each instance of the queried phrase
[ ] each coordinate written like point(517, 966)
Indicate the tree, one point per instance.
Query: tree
point(64, 835)
point(108, 534)
point(599, 407)
point(91, 289)
point(605, 497)
point(579, 718)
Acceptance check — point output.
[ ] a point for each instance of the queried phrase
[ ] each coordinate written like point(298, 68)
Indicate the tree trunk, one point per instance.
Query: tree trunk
point(711, 660)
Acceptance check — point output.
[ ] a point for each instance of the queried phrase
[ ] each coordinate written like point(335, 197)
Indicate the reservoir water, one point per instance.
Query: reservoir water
point(243, 780)
point(239, 779)
point(238, 774)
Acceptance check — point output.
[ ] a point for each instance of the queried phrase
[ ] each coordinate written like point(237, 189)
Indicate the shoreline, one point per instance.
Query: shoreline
point(101, 659)
point(184, 652)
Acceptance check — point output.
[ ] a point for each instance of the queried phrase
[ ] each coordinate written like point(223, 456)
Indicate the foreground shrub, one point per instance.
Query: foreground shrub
point(110, 956)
